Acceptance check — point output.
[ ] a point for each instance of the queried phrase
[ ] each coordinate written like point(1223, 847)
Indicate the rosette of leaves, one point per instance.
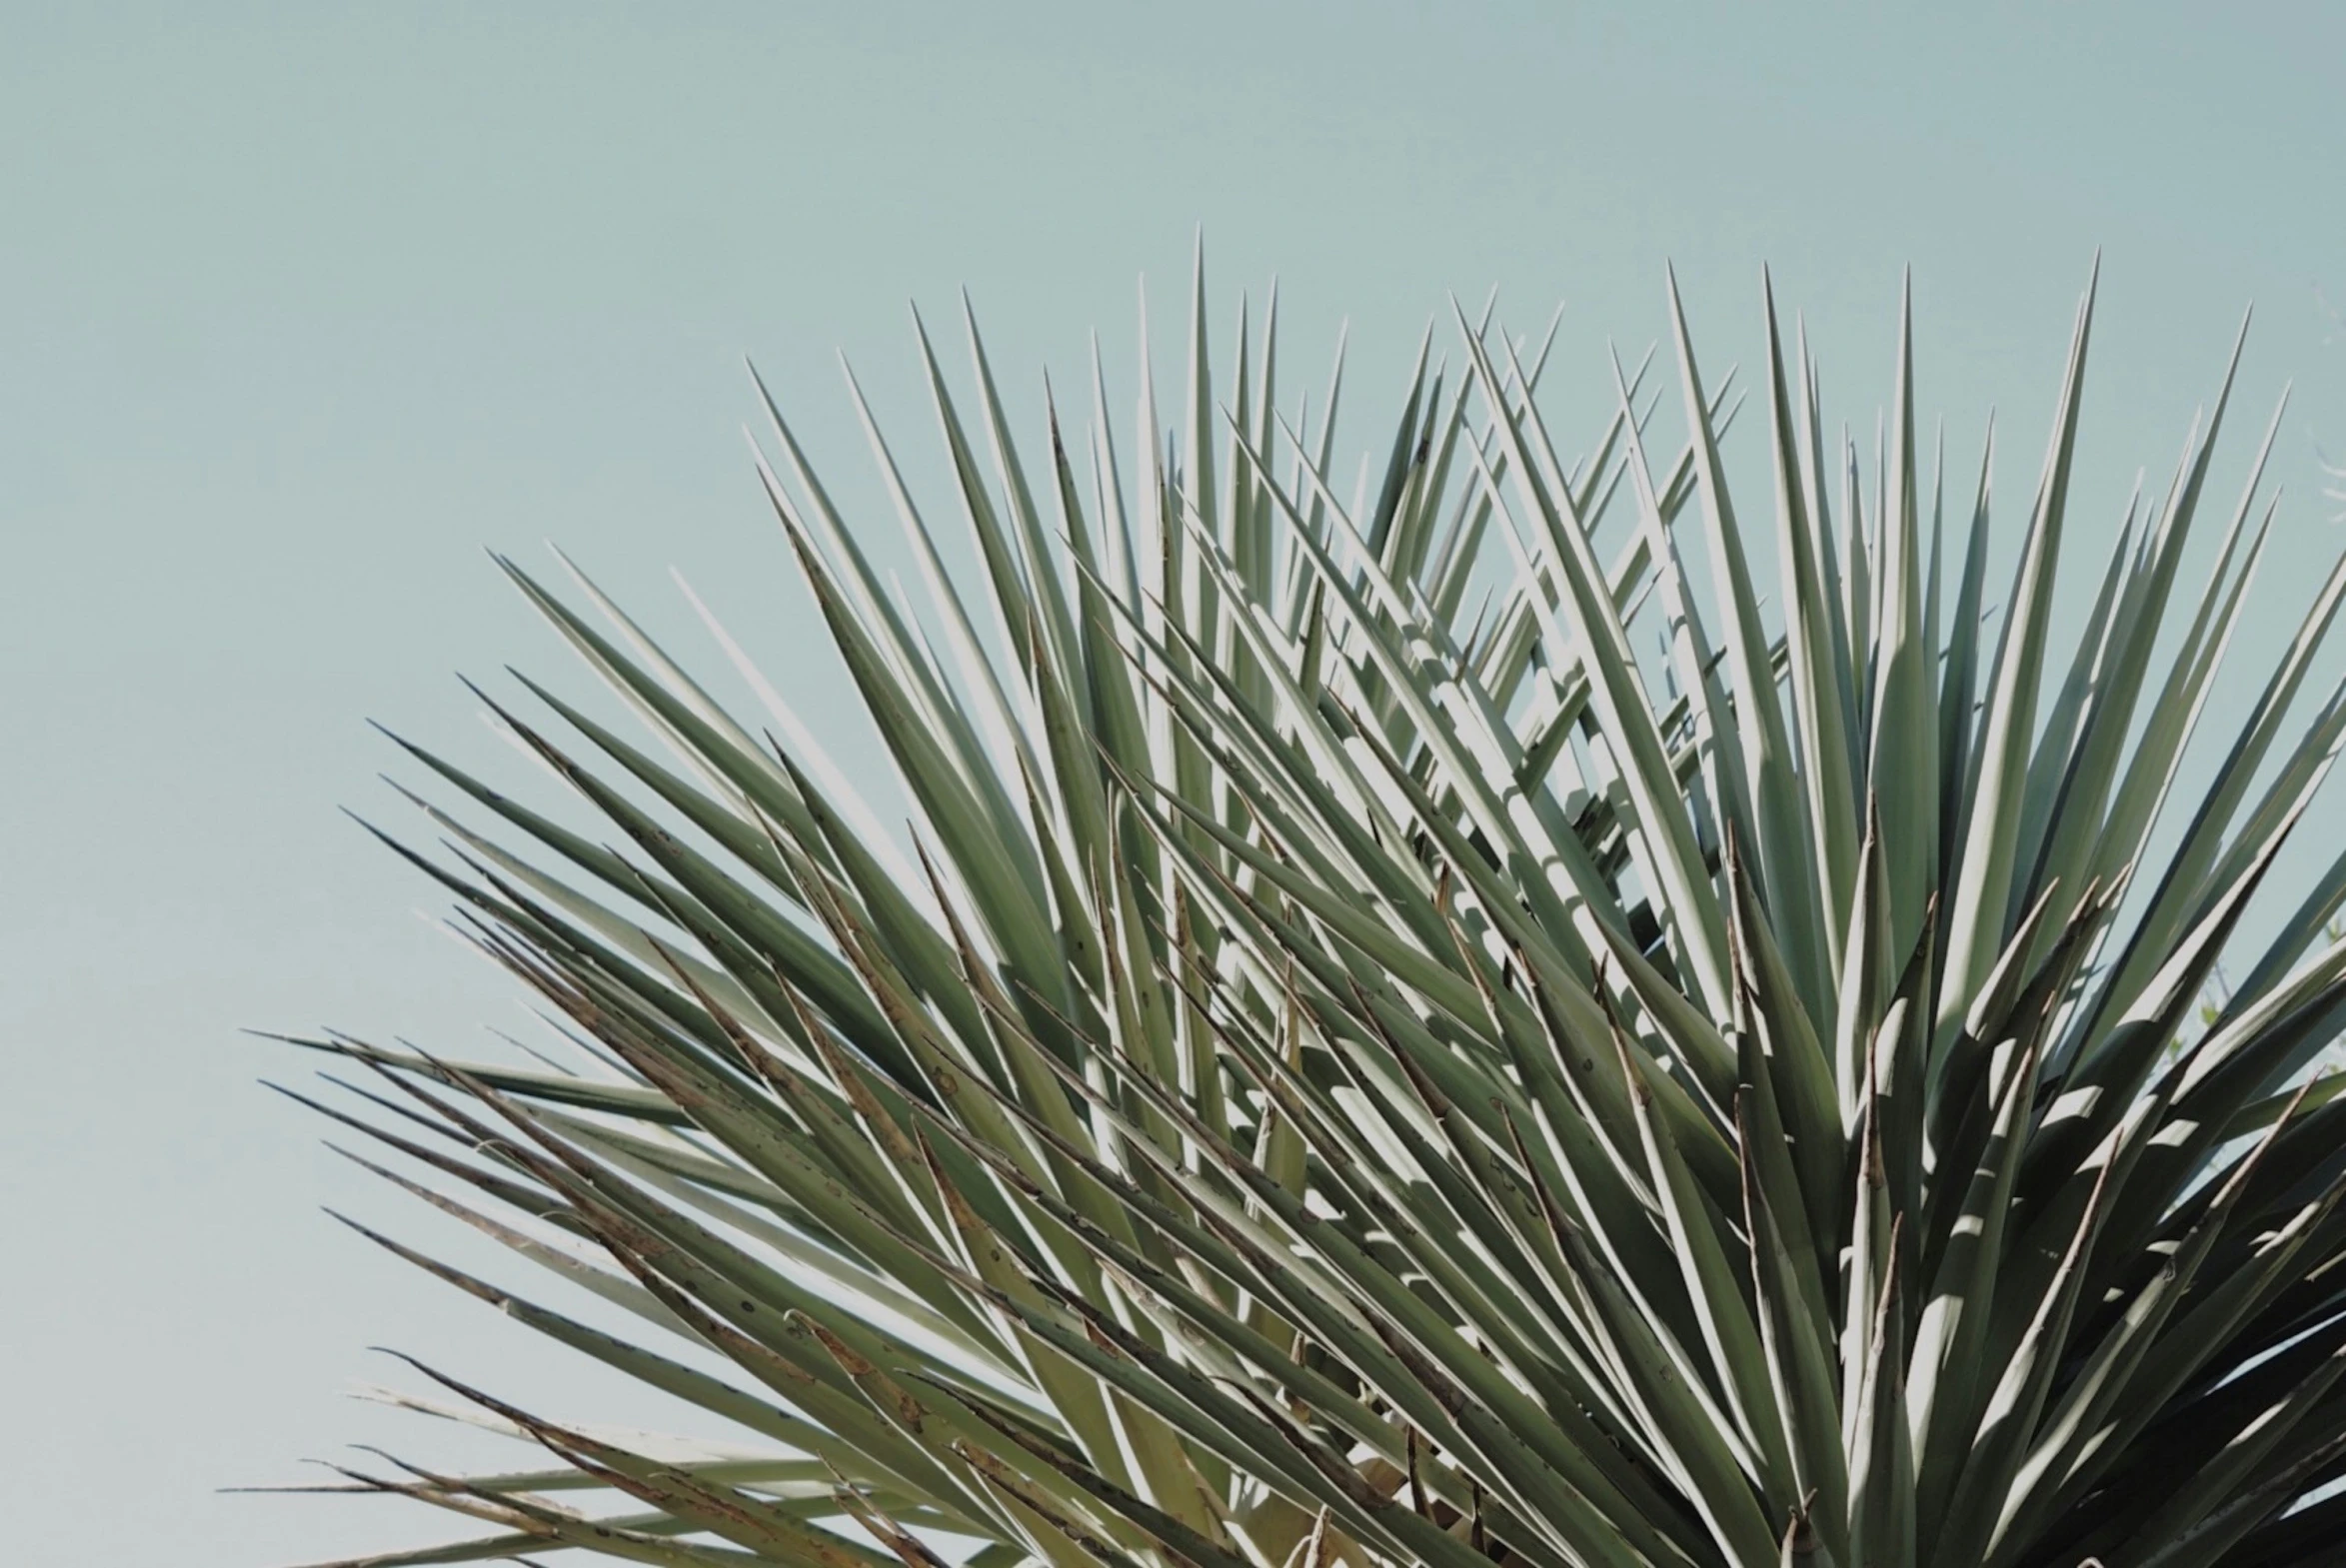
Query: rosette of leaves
point(1432, 1021)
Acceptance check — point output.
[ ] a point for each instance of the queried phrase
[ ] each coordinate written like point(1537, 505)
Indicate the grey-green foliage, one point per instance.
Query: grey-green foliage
point(1359, 1062)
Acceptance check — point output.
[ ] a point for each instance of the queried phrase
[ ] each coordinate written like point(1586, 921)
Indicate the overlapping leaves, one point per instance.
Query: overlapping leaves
point(1422, 1026)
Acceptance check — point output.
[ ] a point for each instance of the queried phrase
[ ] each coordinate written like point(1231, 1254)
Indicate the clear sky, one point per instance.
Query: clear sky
point(301, 305)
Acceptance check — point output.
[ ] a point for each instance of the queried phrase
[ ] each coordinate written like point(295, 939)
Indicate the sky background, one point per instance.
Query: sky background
point(303, 305)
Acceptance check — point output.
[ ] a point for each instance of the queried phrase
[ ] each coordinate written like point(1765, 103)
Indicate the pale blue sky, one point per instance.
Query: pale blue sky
point(300, 304)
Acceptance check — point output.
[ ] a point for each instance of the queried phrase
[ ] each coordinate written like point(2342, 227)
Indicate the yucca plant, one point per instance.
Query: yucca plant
point(1353, 1061)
